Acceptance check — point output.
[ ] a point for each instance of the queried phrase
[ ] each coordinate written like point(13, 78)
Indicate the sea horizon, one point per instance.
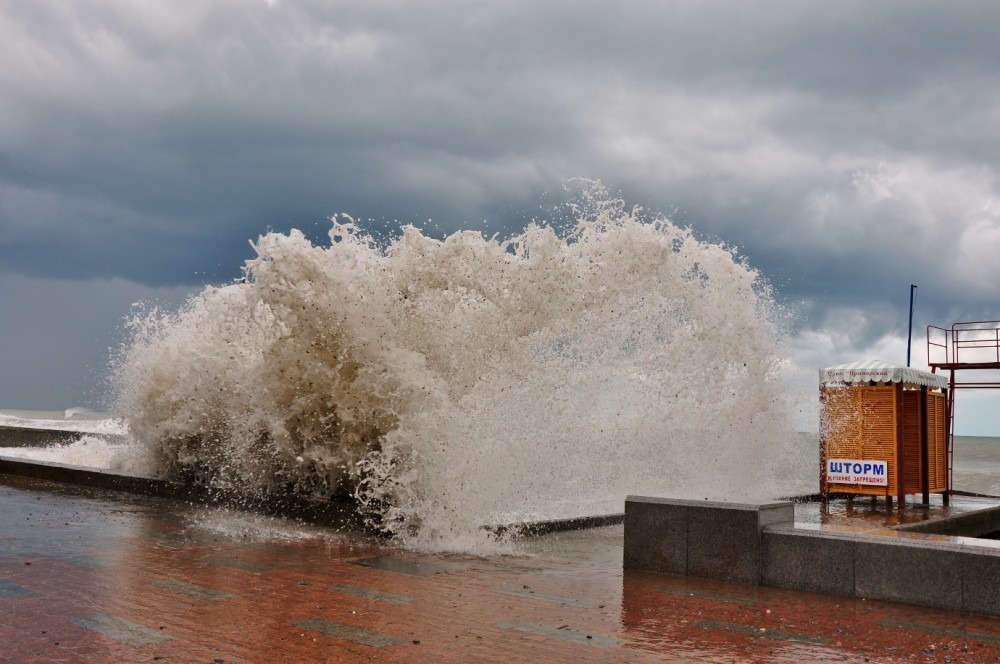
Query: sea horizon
point(976, 467)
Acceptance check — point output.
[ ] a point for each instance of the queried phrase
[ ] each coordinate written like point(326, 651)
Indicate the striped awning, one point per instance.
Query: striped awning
point(879, 372)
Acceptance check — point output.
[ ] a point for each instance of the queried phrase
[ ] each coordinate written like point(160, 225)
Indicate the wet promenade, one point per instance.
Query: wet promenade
point(92, 576)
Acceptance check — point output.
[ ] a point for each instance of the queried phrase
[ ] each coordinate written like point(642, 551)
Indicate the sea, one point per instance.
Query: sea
point(976, 465)
point(69, 415)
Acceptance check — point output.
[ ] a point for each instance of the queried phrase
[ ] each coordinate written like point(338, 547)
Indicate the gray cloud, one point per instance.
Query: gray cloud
point(848, 150)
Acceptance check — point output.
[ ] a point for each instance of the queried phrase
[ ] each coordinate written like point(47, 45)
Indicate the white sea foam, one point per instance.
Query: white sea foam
point(111, 426)
point(471, 381)
point(236, 524)
point(112, 453)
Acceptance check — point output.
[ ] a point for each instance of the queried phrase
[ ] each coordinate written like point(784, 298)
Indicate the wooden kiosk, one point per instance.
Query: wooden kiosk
point(883, 431)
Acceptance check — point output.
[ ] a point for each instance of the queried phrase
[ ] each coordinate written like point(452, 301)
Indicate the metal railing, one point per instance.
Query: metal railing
point(974, 343)
point(966, 345)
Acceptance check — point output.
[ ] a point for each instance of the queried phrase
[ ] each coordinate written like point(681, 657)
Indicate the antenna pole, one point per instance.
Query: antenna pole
point(909, 337)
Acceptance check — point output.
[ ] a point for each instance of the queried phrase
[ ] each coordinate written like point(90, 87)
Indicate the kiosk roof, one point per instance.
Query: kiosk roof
point(879, 372)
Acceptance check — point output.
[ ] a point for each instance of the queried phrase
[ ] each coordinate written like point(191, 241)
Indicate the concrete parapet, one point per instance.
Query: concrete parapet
point(807, 560)
point(918, 572)
point(958, 574)
point(911, 571)
point(981, 580)
point(760, 544)
point(699, 538)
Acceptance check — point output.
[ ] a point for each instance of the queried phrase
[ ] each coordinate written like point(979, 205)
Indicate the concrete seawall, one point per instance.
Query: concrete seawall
point(761, 545)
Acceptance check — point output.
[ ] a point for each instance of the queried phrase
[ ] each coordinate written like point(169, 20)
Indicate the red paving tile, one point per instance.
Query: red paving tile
point(99, 577)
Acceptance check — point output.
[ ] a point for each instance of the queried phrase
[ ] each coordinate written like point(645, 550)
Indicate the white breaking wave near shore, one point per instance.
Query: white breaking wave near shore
point(451, 384)
point(110, 426)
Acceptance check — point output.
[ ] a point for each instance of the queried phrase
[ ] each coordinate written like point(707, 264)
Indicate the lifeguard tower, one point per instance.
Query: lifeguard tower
point(964, 347)
point(883, 432)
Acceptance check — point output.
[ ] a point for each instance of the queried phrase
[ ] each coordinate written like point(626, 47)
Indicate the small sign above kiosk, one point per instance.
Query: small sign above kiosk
point(874, 371)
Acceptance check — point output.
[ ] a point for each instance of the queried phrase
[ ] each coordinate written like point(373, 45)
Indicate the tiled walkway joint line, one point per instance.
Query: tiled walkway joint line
point(367, 593)
point(937, 629)
point(775, 634)
point(190, 589)
point(8, 589)
point(561, 634)
point(236, 563)
point(399, 566)
point(715, 597)
point(121, 630)
point(543, 597)
point(360, 635)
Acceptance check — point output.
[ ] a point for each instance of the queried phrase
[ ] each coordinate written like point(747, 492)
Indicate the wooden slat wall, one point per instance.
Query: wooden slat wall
point(859, 422)
point(937, 439)
point(912, 462)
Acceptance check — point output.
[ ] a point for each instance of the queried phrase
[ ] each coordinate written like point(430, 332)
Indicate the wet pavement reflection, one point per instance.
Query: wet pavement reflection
point(872, 512)
point(92, 576)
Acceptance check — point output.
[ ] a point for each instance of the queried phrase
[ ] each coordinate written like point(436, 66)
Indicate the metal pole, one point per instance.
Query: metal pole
point(909, 337)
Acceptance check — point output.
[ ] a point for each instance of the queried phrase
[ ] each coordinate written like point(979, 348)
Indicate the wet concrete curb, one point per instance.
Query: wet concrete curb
point(29, 437)
point(89, 477)
point(972, 524)
point(760, 545)
point(339, 514)
point(532, 528)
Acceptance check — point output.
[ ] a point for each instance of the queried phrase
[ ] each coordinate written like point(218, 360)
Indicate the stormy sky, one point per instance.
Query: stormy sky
point(847, 149)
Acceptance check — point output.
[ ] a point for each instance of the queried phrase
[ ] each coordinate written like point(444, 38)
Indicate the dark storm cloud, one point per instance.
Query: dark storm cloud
point(847, 149)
